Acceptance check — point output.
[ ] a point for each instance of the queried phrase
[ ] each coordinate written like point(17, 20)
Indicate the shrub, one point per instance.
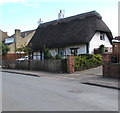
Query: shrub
point(58, 57)
point(4, 49)
point(102, 49)
point(47, 54)
point(87, 61)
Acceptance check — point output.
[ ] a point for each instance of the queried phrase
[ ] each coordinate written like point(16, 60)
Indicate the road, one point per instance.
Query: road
point(28, 93)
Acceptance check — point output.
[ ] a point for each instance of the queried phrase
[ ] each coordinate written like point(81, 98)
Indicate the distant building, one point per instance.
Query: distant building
point(3, 36)
point(19, 39)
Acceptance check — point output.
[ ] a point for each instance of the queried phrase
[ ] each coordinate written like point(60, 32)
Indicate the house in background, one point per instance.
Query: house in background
point(79, 34)
point(3, 35)
point(18, 40)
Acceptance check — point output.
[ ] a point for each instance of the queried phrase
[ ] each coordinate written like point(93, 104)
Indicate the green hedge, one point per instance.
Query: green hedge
point(87, 61)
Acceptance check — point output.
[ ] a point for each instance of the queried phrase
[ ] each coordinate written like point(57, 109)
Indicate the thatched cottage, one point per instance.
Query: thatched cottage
point(75, 35)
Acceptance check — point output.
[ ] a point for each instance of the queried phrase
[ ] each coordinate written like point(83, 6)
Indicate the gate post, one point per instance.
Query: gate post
point(70, 64)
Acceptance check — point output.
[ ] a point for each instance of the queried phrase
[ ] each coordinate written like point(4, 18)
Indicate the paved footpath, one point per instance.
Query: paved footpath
point(89, 77)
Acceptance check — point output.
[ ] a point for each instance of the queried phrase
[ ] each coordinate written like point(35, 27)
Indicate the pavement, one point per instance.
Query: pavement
point(89, 77)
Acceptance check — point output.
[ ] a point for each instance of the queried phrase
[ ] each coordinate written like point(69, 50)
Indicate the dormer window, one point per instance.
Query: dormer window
point(102, 36)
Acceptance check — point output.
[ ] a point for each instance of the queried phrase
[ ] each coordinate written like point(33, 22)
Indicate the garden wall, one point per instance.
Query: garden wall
point(111, 65)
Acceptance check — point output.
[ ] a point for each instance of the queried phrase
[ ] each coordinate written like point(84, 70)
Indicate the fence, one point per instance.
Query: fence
point(57, 66)
point(11, 56)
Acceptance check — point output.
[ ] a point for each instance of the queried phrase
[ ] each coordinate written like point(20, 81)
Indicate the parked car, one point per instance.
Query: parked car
point(22, 58)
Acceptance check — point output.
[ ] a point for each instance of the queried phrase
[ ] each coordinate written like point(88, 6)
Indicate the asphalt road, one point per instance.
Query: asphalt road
point(27, 93)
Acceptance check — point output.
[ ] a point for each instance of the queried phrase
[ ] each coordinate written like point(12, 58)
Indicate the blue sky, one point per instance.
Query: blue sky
point(24, 14)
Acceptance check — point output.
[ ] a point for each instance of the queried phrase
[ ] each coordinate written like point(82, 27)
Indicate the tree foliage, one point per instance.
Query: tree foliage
point(47, 54)
point(25, 49)
point(102, 49)
point(4, 49)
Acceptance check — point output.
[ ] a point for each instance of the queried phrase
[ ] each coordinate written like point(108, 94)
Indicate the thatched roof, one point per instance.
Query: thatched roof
point(74, 30)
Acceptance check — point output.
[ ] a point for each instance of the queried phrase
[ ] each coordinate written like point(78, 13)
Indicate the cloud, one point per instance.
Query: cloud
point(32, 4)
point(11, 1)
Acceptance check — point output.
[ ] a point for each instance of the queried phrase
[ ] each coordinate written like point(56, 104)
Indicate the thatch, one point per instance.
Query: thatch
point(69, 31)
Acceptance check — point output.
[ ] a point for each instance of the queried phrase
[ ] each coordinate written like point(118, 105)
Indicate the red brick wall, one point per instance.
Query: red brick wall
point(111, 69)
point(106, 58)
point(116, 47)
point(12, 56)
point(70, 64)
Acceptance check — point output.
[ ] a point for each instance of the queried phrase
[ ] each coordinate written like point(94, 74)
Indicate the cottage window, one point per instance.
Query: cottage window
point(74, 51)
point(102, 36)
point(61, 52)
point(36, 56)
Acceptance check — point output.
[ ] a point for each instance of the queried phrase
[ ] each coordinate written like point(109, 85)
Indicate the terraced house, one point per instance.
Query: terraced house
point(79, 34)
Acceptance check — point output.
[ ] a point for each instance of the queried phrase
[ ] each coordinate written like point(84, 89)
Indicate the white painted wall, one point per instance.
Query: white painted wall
point(67, 50)
point(53, 52)
point(96, 42)
point(81, 50)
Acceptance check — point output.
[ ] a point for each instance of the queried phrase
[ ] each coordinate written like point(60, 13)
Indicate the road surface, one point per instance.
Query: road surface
point(28, 93)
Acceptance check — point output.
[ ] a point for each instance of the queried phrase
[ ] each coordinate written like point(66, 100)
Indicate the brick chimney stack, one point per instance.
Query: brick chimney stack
point(17, 36)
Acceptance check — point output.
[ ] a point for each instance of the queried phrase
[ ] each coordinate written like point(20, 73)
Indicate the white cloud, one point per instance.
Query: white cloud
point(11, 1)
point(32, 4)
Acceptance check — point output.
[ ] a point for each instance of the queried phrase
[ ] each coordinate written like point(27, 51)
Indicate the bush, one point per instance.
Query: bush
point(87, 61)
point(4, 49)
point(58, 57)
point(102, 49)
point(47, 54)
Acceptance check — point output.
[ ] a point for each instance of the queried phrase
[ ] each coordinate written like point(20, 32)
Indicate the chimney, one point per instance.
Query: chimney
point(40, 21)
point(60, 15)
point(17, 37)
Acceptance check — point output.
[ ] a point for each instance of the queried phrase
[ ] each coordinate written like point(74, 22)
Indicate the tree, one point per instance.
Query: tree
point(47, 54)
point(25, 49)
point(4, 49)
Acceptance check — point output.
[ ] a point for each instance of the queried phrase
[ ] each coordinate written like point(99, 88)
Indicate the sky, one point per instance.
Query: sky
point(24, 14)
